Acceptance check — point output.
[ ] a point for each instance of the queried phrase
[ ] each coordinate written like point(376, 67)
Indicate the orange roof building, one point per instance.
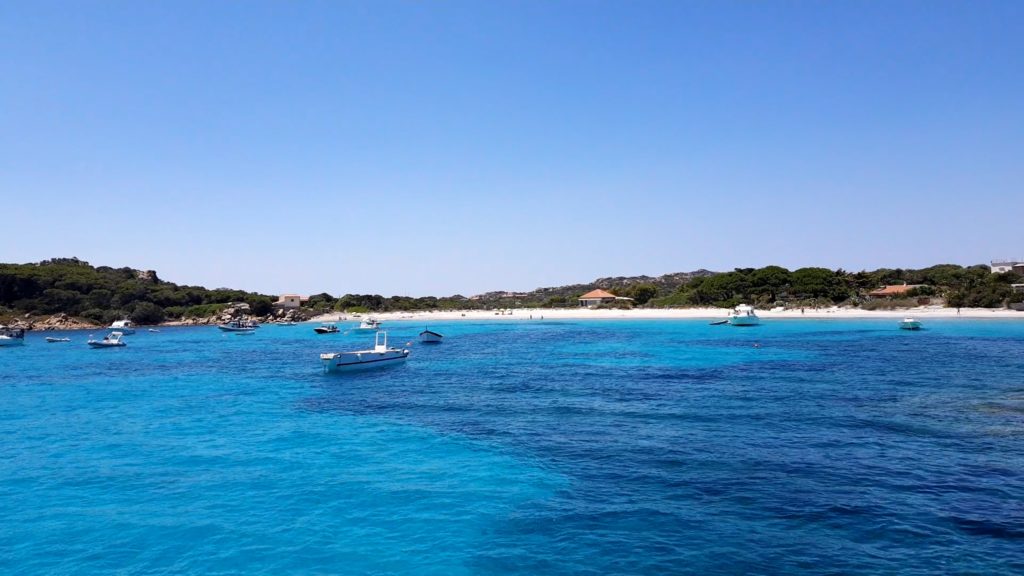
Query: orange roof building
point(893, 290)
point(596, 298)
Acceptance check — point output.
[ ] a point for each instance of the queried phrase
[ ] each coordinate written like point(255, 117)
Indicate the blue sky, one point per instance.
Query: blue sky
point(456, 147)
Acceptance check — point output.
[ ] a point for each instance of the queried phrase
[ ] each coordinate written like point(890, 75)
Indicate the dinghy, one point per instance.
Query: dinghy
point(112, 340)
point(430, 337)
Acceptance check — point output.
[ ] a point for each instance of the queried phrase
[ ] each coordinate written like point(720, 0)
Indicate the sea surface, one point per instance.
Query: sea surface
point(520, 447)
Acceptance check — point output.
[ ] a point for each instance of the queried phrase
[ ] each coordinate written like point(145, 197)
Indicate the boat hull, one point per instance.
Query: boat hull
point(431, 338)
point(6, 342)
point(910, 325)
point(359, 361)
point(235, 329)
point(93, 344)
point(744, 321)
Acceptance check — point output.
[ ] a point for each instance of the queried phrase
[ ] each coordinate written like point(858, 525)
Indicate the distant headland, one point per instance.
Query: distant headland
point(66, 293)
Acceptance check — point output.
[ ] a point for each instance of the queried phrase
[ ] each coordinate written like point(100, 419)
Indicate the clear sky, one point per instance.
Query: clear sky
point(440, 147)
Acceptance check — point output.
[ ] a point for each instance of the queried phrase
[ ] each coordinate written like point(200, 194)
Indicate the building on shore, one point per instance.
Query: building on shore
point(1007, 265)
point(290, 301)
point(893, 290)
point(599, 297)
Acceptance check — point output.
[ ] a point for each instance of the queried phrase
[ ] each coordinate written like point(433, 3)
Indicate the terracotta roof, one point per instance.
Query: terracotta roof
point(595, 294)
point(893, 290)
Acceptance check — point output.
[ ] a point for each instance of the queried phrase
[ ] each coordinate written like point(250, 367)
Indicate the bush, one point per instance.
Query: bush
point(147, 313)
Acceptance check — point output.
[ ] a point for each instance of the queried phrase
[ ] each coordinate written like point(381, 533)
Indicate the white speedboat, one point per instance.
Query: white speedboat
point(53, 340)
point(368, 325)
point(11, 336)
point(123, 326)
point(378, 357)
point(743, 315)
point(243, 325)
point(910, 324)
point(285, 323)
point(112, 340)
point(431, 337)
point(326, 328)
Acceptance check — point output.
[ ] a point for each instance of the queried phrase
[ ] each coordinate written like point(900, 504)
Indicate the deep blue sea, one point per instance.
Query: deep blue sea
point(518, 447)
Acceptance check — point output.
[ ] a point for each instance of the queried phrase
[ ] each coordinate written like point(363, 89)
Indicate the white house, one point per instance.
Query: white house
point(289, 301)
point(1000, 266)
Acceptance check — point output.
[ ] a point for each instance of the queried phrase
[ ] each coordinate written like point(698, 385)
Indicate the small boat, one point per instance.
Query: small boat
point(153, 330)
point(378, 357)
point(743, 315)
point(910, 324)
point(431, 337)
point(326, 328)
point(286, 324)
point(53, 340)
point(719, 322)
point(243, 325)
point(369, 324)
point(123, 326)
point(112, 340)
point(11, 336)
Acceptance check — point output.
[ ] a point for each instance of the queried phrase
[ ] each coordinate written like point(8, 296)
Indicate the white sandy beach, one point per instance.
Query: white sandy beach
point(679, 313)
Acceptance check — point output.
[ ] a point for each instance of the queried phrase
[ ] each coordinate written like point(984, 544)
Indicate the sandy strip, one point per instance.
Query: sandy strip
point(681, 313)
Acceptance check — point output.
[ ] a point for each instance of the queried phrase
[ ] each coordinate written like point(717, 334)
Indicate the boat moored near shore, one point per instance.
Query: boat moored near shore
point(909, 323)
point(123, 326)
point(743, 315)
point(112, 340)
point(430, 337)
point(11, 336)
point(379, 356)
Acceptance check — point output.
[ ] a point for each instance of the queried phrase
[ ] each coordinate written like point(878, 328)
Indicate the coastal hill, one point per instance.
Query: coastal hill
point(68, 293)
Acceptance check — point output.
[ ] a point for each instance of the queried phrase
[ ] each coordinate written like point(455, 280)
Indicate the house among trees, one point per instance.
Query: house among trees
point(1003, 266)
point(893, 291)
point(596, 298)
point(289, 301)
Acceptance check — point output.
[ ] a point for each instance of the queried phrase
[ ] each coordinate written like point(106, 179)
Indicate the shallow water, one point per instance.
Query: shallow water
point(521, 447)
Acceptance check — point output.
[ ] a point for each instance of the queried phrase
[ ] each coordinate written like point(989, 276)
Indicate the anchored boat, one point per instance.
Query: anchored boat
point(378, 357)
point(430, 337)
point(112, 340)
point(11, 336)
point(369, 324)
point(53, 340)
point(243, 325)
point(326, 328)
point(743, 315)
point(910, 324)
point(123, 326)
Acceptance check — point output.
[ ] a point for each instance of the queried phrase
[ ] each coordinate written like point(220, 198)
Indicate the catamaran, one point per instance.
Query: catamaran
point(377, 357)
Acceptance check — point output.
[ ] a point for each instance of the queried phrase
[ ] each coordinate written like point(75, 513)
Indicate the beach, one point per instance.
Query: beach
point(923, 312)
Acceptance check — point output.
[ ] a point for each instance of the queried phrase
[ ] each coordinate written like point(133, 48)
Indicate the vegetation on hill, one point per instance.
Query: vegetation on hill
point(973, 286)
point(103, 294)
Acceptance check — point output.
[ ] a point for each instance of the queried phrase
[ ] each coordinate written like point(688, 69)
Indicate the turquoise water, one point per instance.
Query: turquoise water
point(521, 448)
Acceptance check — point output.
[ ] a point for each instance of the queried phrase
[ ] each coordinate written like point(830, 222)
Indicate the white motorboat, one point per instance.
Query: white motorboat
point(326, 328)
point(743, 315)
point(123, 326)
point(112, 340)
point(243, 325)
point(369, 324)
point(286, 324)
point(11, 336)
point(53, 340)
point(910, 324)
point(430, 337)
point(378, 357)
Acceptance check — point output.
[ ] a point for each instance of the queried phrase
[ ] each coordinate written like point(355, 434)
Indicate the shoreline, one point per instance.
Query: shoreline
point(676, 314)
